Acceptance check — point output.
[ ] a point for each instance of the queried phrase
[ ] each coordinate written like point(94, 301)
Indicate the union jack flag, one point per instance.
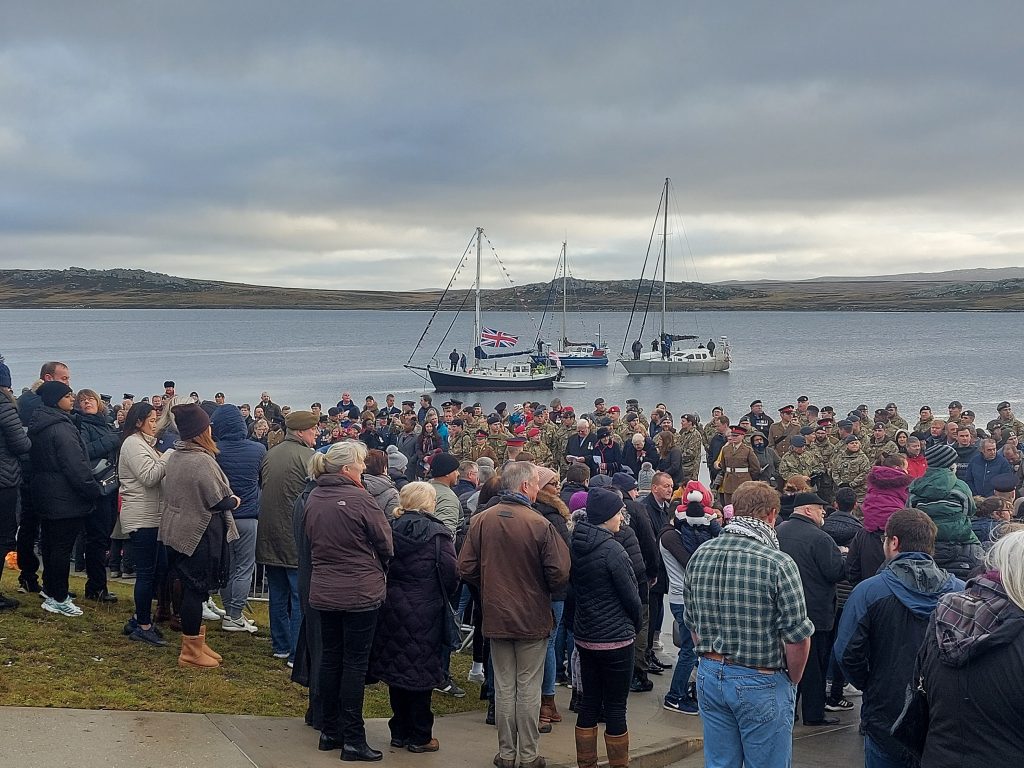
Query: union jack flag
point(492, 338)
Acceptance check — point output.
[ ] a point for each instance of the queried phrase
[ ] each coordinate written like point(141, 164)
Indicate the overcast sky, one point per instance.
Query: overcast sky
point(344, 144)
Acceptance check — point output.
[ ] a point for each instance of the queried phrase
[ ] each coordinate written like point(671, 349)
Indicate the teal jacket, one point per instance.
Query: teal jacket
point(947, 501)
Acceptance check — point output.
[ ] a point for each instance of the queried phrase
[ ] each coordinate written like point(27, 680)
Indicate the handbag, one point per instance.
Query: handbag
point(105, 474)
point(454, 636)
point(911, 727)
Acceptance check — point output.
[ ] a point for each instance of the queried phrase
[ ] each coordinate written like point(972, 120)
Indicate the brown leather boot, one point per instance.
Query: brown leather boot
point(192, 653)
point(207, 649)
point(618, 750)
point(586, 747)
point(548, 710)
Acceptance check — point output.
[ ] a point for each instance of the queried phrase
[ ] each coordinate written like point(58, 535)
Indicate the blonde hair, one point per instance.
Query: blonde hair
point(337, 456)
point(101, 407)
point(205, 441)
point(166, 417)
point(797, 484)
point(416, 497)
point(1007, 557)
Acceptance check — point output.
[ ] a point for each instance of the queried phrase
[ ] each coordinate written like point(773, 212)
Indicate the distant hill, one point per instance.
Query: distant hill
point(134, 288)
point(975, 275)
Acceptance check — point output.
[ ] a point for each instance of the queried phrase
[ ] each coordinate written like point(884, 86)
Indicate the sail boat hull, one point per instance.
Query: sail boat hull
point(569, 361)
point(489, 380)
point(681, 362)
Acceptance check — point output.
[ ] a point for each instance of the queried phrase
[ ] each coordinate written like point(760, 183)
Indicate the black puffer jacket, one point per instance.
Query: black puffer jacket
point(640, 523)
point(13, 443)
point(629, 541)
point(607, 605)
point(62, 483)
point(100, 439)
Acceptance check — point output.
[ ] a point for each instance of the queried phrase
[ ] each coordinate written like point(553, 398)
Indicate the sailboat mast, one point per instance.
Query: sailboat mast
point(664, 260)
point(565, 291)
point(476, 314)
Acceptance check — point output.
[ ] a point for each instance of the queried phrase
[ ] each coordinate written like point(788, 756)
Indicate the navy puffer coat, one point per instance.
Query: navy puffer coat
point(410, 631)
point(607, 605)
point(240, 459)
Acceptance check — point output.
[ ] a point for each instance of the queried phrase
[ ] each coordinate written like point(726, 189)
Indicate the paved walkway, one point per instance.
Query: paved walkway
point(108, 739)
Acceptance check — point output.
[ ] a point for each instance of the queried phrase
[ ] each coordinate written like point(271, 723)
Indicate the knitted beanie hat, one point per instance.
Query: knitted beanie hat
point(940, 455)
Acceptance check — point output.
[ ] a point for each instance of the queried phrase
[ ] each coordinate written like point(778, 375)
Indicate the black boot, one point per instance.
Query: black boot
point(490, 713)
point(641, 683)
point(361, 752)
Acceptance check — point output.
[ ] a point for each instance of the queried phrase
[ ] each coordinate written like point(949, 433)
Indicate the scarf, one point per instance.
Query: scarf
point(753, 528)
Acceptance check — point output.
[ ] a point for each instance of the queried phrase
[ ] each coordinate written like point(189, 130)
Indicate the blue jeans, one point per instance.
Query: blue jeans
point(285, 610)
point(747, 716)
point(686, 660)
point(150, 565)
point(876, 757)
point(550, 663)
point(243, 562)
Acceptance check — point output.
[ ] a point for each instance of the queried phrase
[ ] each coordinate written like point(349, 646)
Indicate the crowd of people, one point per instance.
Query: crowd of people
point(828, 556)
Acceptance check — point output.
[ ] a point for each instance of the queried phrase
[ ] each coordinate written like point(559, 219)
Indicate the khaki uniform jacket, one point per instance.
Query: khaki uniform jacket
point(690, 446)
point(738, 465)
point(542, 456)
point(806, 463)
point(517, 560)
point(779, 434)
point(461, 447)
point(851, 469)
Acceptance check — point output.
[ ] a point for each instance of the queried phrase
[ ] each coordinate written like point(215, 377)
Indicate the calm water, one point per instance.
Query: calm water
point(300, 356)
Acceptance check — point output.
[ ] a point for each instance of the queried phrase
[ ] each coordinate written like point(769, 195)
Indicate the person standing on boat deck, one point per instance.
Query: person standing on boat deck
point(711, 347)
point(637, 348)
point(453, 358)
point(462, 362)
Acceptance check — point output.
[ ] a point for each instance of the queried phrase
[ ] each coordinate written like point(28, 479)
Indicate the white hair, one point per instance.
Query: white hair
point(1007, 557)
point(638, 439)
point(582, 423)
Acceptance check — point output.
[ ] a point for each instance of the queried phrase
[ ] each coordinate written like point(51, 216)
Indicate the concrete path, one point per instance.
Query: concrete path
point(107, 739)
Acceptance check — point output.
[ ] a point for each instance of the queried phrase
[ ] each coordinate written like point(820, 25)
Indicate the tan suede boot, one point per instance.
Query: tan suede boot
point(192, 653)
point(586, 747)
point(618, 750)
point(548, 711)
point(207, 649)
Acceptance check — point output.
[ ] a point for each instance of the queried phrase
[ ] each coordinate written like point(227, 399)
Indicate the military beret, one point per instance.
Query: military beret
point(599, 401)
point(168, 384)
point(458, 423)
point(862, 407)
point(755, 402)
point(807, 431)
point(493, 419)
point(956, 404)
point(568, 411)
point(798, 441)
point(632, 401)
point(631, 416)
point(968, 413)
point(602, 433)
point(605, 422)
point(879, 425)
point(539, 408)
point(999, 407)
point(333, 411)
point(532, 432)
point(850, 439)
point(803, 399)
point(476, 405)
point(827, 409)
point(890, 405)
point(845, 424)
point(853, 416)
point(615, 409)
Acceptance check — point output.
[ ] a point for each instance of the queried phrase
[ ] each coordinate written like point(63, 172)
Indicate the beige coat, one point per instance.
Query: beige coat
point(140, 468)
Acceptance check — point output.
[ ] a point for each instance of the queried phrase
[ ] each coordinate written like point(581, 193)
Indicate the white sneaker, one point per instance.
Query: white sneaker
point(476, 677)
point(67, 608)
point(850, 691)
point(657, 646)
point(241, 624)
point(210, 607)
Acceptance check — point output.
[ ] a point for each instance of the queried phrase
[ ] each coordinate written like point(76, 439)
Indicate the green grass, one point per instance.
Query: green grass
point(53, 661)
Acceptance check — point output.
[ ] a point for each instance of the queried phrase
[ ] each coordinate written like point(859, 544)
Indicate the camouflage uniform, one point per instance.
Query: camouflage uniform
point(460, 447)
point(708, 431)
point(898, 422)
point(559, 441)
point(689, 444)
point(802, 418)
point(874, 450)
point(542, 455)
point(851, 469)
point(1007, 425)
point(806, 463)
point(923, 426)
point(499, 444)
point(824, 452)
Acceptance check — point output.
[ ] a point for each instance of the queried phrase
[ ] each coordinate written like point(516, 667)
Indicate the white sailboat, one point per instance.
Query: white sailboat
point(663, 357)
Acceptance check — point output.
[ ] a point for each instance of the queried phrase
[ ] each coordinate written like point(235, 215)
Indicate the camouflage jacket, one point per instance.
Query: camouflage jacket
point(851, 469)
point(807, 463)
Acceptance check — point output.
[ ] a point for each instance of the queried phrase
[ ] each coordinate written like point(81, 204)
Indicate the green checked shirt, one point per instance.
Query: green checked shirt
point(744, 600)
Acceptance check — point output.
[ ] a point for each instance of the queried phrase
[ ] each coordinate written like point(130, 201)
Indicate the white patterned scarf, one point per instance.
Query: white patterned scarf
point(753, 528)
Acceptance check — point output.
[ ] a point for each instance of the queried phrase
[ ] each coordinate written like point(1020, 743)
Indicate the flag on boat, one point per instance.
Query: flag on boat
point(492, 338)
point(555, 358)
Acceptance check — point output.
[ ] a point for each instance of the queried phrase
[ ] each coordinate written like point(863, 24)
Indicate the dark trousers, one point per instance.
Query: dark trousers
point(413, 721)
point(191, 609)
point(347, 637)
point(98, 526)
point(8, 520)
point(58, 541)
point(812, 684)
point(657, 603)
point(28, 534)
point(151, 566)
point(606, 676)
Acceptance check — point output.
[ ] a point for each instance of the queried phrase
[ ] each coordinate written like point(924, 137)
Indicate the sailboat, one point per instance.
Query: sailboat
point(480, 377)
point(572, 354)
point(663, 357)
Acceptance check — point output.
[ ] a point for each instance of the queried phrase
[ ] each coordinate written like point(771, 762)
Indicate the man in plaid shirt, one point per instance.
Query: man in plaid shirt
point(745, 608)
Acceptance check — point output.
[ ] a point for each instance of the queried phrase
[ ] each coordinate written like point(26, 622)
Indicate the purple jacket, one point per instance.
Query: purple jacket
point(887, 493)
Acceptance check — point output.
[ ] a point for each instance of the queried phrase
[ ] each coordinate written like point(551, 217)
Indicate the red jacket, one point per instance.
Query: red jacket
point(916, 465)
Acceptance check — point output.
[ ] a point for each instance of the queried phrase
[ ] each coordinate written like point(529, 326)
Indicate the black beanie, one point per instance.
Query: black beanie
point(51, 392)
point(602, 505)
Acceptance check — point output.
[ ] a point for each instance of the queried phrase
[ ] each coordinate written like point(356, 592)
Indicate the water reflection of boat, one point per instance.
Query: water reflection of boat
point(481, 377)
point(664, 358)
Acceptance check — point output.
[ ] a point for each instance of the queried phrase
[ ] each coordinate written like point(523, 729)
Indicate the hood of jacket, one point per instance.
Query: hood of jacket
point(918, 582)
point(980, 619)
point(555, 502)
point(888, 477)
point(586, 537)
point(416, 528)
point(377, 484)
point(45, 417)
point(935, 484)
point(228, 424)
